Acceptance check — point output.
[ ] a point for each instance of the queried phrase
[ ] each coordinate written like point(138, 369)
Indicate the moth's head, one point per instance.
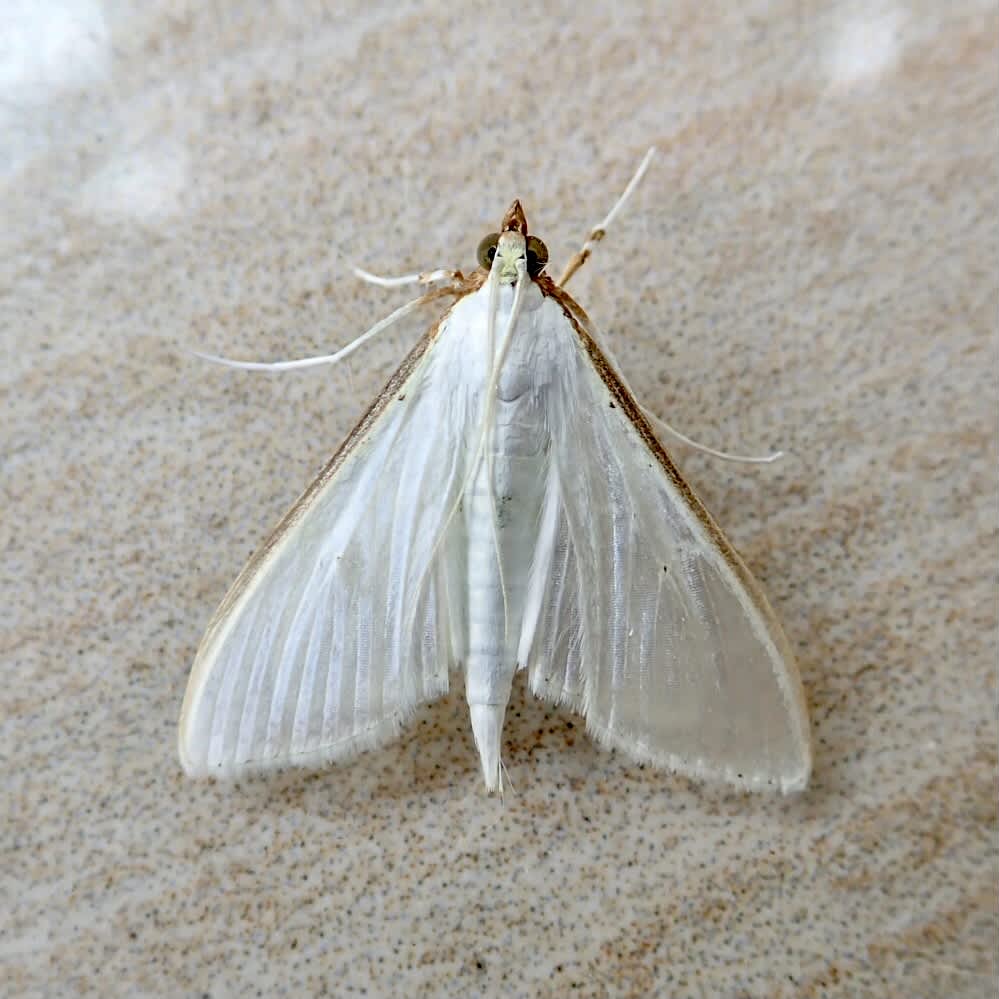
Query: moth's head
point(511, 251)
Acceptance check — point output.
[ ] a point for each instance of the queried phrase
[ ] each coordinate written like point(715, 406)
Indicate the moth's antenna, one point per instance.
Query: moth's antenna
point(311, 362)
point(477, 456)
point(482, 452)
point(469, 472)
point(492, 391)
point(598, 232)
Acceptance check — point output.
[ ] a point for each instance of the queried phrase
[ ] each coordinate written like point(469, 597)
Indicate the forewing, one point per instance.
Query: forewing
point(339, 627)
point(648, 622)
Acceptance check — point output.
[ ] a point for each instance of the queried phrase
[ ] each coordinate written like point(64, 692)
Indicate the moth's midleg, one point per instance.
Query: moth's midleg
point(598, 232)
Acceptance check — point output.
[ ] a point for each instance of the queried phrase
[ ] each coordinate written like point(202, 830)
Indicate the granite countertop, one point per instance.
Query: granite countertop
point(810, 264)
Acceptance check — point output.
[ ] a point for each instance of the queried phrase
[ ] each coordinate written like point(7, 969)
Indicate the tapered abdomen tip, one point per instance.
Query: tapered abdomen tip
point(487, 727)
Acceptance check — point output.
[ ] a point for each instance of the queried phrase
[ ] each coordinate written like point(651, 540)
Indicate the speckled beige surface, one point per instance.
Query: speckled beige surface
point(811, 264)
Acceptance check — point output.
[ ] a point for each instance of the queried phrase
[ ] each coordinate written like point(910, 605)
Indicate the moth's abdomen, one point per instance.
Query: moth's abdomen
point(502, 508)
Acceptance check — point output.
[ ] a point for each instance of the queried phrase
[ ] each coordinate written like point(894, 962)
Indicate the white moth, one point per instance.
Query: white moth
point(503, 505)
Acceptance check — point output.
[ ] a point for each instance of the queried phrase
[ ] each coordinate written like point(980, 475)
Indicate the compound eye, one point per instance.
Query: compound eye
point(537, 256)
point(487, 250)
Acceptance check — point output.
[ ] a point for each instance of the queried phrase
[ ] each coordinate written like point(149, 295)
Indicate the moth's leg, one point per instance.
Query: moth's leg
point(426, 277)
point(598, 232)
point(745, 459)
point(309, 362)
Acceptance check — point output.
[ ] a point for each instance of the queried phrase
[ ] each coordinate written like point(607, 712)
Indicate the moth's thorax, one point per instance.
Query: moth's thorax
point(476, 305)
point(532, 299)
point(529, 361)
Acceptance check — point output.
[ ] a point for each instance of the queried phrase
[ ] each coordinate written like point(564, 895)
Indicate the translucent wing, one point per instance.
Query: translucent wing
point(340, 626)
point(644, 619)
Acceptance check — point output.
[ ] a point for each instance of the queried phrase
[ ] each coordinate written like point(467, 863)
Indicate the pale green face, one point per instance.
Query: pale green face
point(511, 257)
